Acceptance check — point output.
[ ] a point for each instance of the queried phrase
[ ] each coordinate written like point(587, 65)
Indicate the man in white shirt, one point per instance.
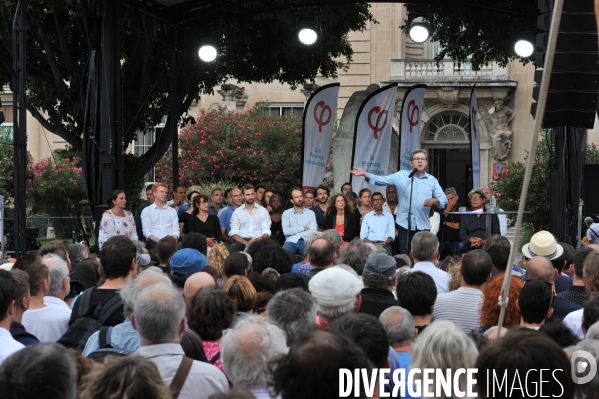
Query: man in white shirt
point(41, 320)
point(158, 219)
point(59, 288)
point(425, 252)
point(298, 222)
point(159, 318)
point(250, 222)
point(8, 293)
point(378, 227)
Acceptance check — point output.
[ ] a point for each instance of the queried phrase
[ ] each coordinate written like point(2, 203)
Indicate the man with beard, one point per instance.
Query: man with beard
point(298, 222)
point(322, 196)
point(250, 222)
point(225, 217)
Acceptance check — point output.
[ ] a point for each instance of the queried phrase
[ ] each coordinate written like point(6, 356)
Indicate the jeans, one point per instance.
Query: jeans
point(295, 247)
point(237, 247)
point(462, 248)
point(404, 244)
point(151, 245)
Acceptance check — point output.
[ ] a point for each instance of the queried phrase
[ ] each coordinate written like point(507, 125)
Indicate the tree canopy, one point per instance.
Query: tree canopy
point(256, 47)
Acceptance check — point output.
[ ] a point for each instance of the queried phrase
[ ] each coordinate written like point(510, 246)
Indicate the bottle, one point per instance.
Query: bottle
point(493, 205)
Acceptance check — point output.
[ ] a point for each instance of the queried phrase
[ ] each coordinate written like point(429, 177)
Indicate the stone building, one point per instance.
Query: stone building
point(383, 54)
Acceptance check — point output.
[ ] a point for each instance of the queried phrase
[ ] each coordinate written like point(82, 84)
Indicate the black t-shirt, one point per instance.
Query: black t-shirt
point(447, 233)
point(100, 296)
point(210, 228)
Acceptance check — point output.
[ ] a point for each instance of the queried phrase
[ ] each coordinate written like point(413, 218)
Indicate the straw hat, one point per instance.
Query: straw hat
point(543, 244)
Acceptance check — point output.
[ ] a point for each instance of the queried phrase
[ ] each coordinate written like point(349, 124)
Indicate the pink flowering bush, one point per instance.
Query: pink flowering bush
point(241, 147)
point(57, 185)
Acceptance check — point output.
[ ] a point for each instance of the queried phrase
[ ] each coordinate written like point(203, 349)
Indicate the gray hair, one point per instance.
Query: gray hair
point(355, 254)
point(248, 349)
point(129, 293)
point(417, 151)
point(330, 313)
point(334, 236)
point(399, 325)
point(58, 271)
point(293, 310)
point(450, 190)
point(424, 246)
point(310, 238)
point(443, 345)
point(141, 247)
point(593, 332)
point(591, 346)
point(44, 370)
point(77, 252)
point(402, 271)
point(158, 311)
point(479, 192)
point(405, 258)
point(588, 221)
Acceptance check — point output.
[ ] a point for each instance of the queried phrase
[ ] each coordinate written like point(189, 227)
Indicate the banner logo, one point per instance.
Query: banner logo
point(474, 122)
point(375, 128)
point(413, 114)
point(319, 118)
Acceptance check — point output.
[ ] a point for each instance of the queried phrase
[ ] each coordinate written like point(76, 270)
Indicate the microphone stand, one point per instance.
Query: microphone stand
point(410, 214)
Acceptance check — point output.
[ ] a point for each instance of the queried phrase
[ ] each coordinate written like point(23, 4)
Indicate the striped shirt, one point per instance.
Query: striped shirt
point(462, 307)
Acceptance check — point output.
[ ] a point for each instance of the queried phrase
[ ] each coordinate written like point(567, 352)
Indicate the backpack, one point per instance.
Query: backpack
point(105, 349)
point(85, 325)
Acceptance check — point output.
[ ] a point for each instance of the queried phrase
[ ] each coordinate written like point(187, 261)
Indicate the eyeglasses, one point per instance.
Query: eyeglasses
point(419, 159)
point(377, 200)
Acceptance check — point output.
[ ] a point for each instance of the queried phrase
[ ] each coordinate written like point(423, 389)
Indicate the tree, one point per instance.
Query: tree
point(239, 147)
point(257, 40)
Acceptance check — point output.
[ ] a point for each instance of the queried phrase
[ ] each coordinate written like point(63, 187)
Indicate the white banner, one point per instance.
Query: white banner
point(319, 119)
point(372, 139)
point(474, 140)
point(411, 117)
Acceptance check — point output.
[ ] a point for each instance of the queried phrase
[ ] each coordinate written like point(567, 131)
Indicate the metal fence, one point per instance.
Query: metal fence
point(63, 226)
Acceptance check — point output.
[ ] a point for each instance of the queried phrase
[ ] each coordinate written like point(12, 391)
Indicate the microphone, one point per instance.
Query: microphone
point(413, 173)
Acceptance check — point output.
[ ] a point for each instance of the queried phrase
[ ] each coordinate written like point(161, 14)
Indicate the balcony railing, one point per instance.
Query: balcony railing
point(408, 69)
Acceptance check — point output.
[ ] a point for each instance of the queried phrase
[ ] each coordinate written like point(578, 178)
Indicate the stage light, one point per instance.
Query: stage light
point(524, 48)
point(207, 53)
point(307, 36)
point(419, 32)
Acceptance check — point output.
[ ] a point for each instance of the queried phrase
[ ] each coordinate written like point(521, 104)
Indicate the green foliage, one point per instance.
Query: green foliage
point(508, 187)
point(241, 147)
point(7, 168)
point(207, 187)
point(57, 185)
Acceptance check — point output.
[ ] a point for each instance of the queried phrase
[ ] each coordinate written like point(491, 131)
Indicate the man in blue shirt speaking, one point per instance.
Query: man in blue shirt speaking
point(426, 192)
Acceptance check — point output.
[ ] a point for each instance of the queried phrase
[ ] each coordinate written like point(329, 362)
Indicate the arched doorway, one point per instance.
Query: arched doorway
point(446, 136)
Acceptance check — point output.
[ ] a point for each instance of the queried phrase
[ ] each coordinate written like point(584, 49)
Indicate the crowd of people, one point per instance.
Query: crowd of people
point(233, 296)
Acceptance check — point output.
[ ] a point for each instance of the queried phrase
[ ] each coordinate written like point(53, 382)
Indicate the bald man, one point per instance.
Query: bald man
point(194, 284)
point(541, 268)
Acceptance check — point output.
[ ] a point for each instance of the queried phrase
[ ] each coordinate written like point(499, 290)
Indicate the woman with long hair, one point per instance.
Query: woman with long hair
point(489, 312)
point(364, 205)
point(340, 216)
point(116, 221)
point(188, 213)
point(275, 204)
point(203, 222)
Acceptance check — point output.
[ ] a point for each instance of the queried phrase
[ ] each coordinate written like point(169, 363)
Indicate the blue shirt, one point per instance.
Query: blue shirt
point(123, 336)
point(183, 208)
point(225, 219)
point(378, 227)
point(425, 187)
point(321, 218)
point(293, 224)
point(304, 267)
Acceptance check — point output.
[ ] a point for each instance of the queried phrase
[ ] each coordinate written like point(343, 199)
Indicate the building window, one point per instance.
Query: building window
point(295, 111)
point(447, 127)
point(6, 131)
point(145, 139)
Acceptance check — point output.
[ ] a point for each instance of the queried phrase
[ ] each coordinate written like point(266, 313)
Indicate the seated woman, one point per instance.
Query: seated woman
point(364, 204)
point(183, 216)
point(116, 221)
point(203, 222)
point(340, 216)
point(275, 203)
point(473, 228)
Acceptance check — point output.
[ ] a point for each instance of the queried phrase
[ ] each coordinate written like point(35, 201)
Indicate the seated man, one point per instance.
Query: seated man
point(250, 222)
point(473, 228)
point(378, 227)
point(449, 232)
point(159, 220)
point(298, 222)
